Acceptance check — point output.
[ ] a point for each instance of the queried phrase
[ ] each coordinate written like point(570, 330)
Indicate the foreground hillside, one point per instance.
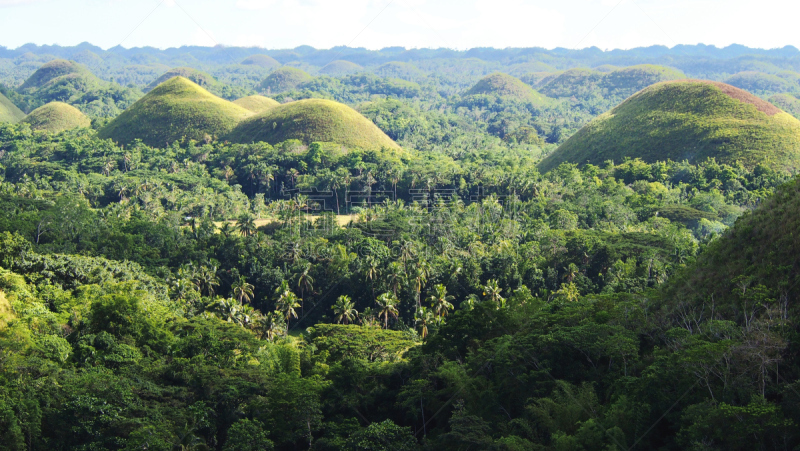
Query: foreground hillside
point(687, 120)
point(8, 111)
point(176, 109)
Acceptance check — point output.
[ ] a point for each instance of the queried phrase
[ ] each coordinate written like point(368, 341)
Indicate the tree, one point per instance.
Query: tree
point(423, 317)
point(287, 301)
point(387, 306)
point(242, 290)
point(248, 435)
point(440, 301)
point(246, 224)
point(206, 279)
point(344, 310)
point(492, 293)
point(305, 281)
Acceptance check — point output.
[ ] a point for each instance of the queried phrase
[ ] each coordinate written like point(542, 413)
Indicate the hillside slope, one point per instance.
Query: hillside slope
point(283, 79)
point(313, 120)
point(176, 109)
point(9, 112)
point(56, 117)
point(687, 120)
point(256, 104)
point(506, 86)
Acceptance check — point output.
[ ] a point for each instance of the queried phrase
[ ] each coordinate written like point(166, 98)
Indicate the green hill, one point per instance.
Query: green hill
point(201, 78)
point(56, 117)
point(687, 120)
point(397, 69)
point(760, 83)
point(506, 86)
point(313, 120)
point(8, 111)
point(54, 70)
point(283, 79)
point(340, 67)
point(788, 103)
point(629, 80)
point(573, 83)
point(264, 61)
point(757, 260)
point(609, 83)
point(175, 109)
point(256, 104)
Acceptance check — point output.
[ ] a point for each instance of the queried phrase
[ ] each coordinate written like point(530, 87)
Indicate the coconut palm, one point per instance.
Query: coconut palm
point(344, 310)
point(423, 317)
point(440, 300)
point(242, 291)
point(492, 293)
point(396, 276)
point(287, 301)
point(246, 224)
point(206, 279)
point(387, 306)
point(305, 281)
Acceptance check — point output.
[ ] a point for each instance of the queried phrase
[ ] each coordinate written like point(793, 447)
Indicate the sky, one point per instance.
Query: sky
point(375, 24)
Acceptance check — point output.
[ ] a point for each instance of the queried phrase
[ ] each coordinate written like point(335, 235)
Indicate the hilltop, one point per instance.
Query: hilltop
point(53, 71)
point(340, 67)
point(613, 83)
point(8, 111)
point(56, 117)
point(175, 109)
point(313, 120)
point(283, 79)
point(201, 78)
point(256, 103)
point(506, 86)
point(264, 61)
point(687, 120)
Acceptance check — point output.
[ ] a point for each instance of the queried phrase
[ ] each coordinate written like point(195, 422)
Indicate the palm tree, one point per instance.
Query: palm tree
point(287, 301)
point(423, 317)
point(395, 276)
point(421, 274)
point(371, 271)
point(492, 292)
point(206, 279)
point(305, 281)
point(246, 224)
point(344, 309)
point(440, 300)
point(271, 324)
point(242, 290)
point(387, 306)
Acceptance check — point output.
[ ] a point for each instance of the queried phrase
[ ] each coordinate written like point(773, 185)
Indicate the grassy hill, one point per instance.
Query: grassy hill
point(201, 78)
point(758, 256)
point(56, 117)
point(9, 112)
point(340, 67)
point(506, 86)
point(629, 80)
point(692, 120)
point(313, 120)
point(264, 61)
point(256, 104)
point(175, 109)
point(788, 103)
point(760, 83)
point(54, 70)
point(611, 84)
point(573, 83)
point(283, 79)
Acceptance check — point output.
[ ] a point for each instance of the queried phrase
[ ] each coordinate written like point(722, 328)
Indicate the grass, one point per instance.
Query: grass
point(506, 86)
point(9, 112)
point(55, 117)
point(788, 103)
point(760, 83)
point(256, 104)
point(340, 67)
point(687, 120)
point(201, 78)
point(176, 109)
point(6, 311)
point(313, 120)
point(283, 79)
point(265, 61)
point(634, 78)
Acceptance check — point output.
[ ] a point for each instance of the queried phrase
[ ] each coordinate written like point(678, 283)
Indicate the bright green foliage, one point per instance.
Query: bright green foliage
point(383, 436)
point(313, 120)
point(691, 121)
point(8, 111)
point(56, 117)
point(283, 79)
point(256, 103)
point(264, 61)
point(175, 110)
point(360, 342)
point(340, 67)
point(506, 86)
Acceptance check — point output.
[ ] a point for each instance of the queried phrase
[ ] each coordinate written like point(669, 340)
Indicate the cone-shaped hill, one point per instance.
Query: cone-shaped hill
point(787, 102)
point(256, 104)
point(56, 71)
point(283, 79)
point(9, 112)
point(617, 83)
point(340, 67)
point(506, 86)
point(264, 61)
point(200, 78)
point(56, 117)
point(313, 120)
point(175, 109)
point(687, 120)
point(758, 257)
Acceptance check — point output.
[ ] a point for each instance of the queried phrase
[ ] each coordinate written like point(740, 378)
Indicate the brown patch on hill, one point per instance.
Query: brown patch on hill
point(738, 94)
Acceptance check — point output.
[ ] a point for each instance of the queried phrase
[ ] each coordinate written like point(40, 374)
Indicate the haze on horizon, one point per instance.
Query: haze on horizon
point(375, 24)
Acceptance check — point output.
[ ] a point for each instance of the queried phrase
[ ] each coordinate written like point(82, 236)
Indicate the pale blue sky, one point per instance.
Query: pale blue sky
point(375, 24)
